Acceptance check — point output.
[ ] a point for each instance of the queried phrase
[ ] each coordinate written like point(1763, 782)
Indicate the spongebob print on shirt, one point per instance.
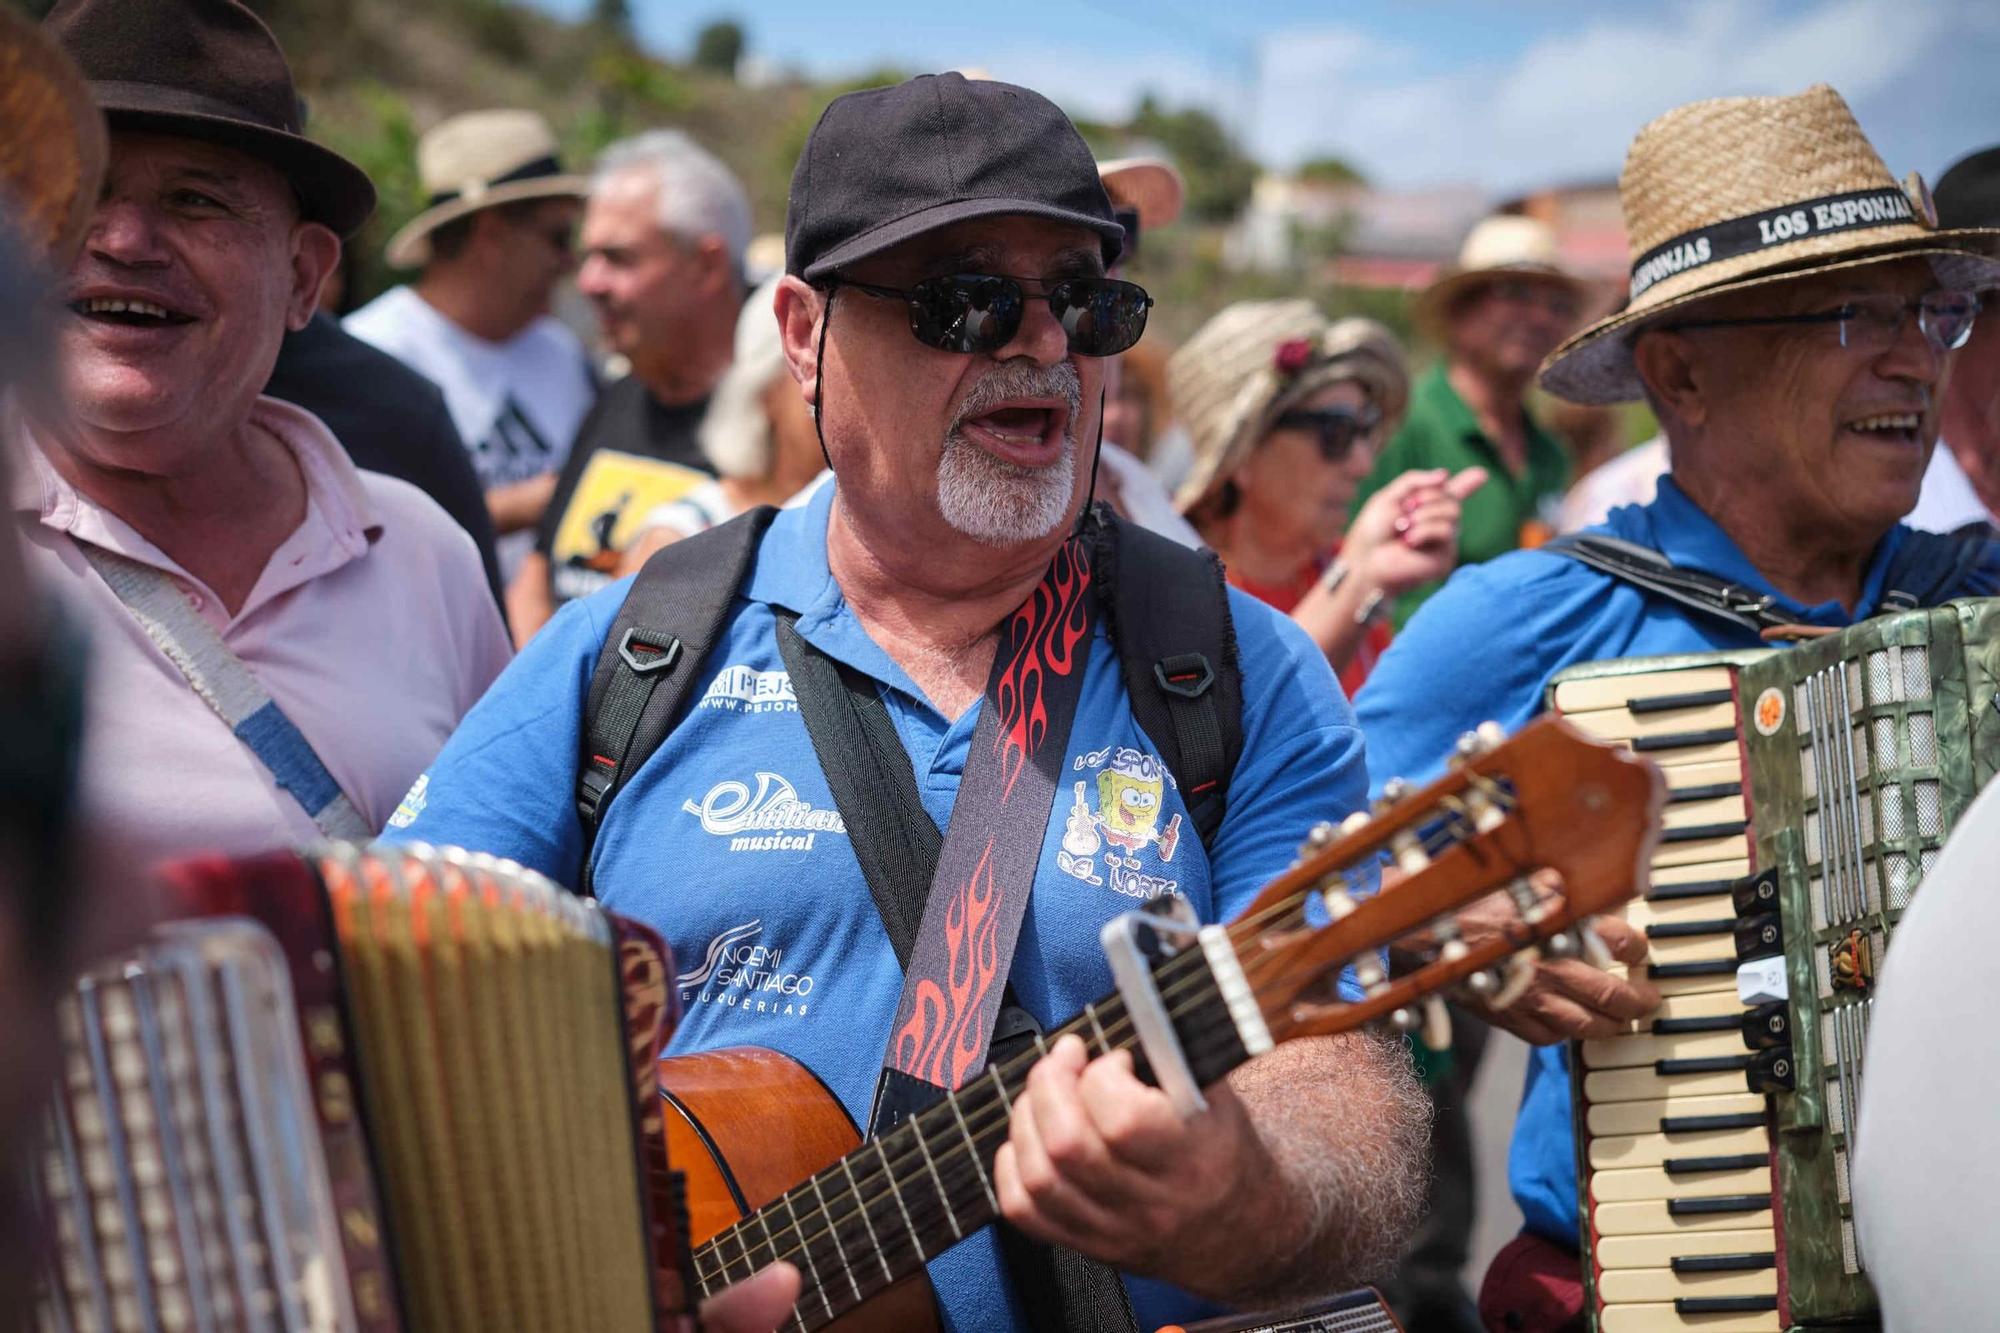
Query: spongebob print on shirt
point(1113, 834)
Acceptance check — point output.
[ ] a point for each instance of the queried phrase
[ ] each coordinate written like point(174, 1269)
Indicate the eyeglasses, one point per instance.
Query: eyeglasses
point(979, 312)
point(1553, 297)
point(1873, 323)
point(1337, 429)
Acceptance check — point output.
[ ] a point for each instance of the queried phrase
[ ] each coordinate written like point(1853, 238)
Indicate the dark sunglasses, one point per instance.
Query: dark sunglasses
point(1338, 429)
point(981, 312)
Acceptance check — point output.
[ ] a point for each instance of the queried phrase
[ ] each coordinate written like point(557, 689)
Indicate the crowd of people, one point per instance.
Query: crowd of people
point(374, 576)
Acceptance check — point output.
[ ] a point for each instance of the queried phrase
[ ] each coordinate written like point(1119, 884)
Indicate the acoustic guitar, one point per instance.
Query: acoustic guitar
point(859, 1220)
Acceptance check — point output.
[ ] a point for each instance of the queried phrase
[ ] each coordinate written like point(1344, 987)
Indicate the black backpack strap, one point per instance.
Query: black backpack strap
point(672, 617)
point(1932, 567)
point(1167, 607)
point(1645, 568)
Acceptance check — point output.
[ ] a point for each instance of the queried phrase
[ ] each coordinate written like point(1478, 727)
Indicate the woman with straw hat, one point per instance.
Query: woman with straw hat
point(1286, 411)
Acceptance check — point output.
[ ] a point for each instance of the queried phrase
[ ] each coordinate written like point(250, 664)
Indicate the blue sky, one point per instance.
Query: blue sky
point(1419, 92)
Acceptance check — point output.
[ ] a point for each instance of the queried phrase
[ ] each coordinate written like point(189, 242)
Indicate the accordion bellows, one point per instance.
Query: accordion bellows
point(367, 1090)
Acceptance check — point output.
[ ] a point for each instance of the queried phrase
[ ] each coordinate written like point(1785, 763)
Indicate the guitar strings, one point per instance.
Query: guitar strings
point(798, 1240)
point(1113, 1034)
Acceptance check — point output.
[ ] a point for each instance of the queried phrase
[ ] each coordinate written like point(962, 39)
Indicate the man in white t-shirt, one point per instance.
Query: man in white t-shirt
point(495, 241)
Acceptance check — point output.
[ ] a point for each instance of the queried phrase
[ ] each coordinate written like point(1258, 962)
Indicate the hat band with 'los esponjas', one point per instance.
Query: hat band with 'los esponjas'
point(527, 171)
point(1791, 223)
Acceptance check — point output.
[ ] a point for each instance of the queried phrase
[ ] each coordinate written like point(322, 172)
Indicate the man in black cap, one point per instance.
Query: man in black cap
point(947, 315)
point(279, 640)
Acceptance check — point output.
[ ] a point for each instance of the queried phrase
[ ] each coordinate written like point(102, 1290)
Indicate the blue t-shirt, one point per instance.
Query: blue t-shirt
point(1485, 648)
point(727, 840)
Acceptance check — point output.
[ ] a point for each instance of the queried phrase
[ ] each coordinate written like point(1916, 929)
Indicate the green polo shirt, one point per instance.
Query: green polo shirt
point(1441, 432)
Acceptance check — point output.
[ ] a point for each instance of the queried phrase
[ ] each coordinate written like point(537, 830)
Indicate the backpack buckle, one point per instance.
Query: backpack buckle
point(1185, 674)
point(658, 658)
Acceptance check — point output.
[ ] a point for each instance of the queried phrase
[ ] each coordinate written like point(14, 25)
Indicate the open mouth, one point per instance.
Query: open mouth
point(1017, 425)
point(1890, 427)
point(128, 312)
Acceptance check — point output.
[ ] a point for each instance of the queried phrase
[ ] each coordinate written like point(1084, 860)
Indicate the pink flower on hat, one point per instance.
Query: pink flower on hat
point(1294, 355)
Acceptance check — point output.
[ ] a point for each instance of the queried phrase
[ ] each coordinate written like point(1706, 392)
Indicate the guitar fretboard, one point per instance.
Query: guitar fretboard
point(879, 1214)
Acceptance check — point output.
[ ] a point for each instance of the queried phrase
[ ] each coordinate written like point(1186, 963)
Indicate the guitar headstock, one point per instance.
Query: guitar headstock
point(1542, 830)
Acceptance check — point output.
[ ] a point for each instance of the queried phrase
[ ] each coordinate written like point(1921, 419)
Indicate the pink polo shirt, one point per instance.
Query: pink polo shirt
point(371, 626)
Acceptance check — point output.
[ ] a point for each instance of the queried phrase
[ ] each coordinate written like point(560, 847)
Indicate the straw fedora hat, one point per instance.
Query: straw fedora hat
point(1739, 192)
point(1151, 186)
point(208, 70)
point(1252, 362)
point(1502, 246)
point(52, 145)
point(481, 159)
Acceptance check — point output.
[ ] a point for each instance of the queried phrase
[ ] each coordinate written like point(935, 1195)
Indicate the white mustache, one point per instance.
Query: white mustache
point(1022, 378)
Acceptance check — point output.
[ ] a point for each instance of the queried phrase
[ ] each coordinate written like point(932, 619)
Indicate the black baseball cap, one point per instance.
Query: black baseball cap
point(887, 164)
point(1968, 194)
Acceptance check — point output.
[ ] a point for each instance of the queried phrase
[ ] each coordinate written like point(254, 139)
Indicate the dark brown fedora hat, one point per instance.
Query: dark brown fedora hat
point(210, 70)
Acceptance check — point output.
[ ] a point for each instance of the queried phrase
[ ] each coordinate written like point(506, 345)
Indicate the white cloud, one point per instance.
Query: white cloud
point(1565, 107)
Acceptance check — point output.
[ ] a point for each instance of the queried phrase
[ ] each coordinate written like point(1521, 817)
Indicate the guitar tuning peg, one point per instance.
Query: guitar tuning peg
point(1411, 858)
point(1437, 1025)
point(1560, 946)
point(1491, 735)
point(1318, 838)
point(1517, 974)
point(1405, 1020)
point(1482, 984)
point(1355, 822)
point(1339, 903)
point(1527, 902)
point(1467, 747)
point(1368, 971)
point(1394, 790)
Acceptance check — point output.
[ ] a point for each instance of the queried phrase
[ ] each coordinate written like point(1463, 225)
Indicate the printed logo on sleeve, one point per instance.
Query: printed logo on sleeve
point(769, 818)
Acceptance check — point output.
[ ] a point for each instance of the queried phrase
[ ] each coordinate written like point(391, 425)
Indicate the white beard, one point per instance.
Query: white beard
point(999, 503)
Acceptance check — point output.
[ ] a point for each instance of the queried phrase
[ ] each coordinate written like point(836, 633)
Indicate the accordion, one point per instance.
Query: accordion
point(365, 1090)
point(1810, 791)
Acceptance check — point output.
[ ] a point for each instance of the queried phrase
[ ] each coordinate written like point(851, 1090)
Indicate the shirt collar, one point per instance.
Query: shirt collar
point(341, 523)
point(792, 572)
point(1455, 415)
point(1681, 530)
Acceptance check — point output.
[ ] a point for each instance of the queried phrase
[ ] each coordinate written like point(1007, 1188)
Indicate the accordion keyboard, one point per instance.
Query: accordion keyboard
point(1673, 1130)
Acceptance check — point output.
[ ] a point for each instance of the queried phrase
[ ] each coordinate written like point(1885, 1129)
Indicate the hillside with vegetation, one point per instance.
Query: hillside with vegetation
point(376, 73)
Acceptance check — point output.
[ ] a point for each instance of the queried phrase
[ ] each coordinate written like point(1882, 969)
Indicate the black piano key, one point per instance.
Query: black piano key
point(1675, 930)
point(1756, 893)
point(1700, 888)
point(1759, 935)
point(1713, 791)
point(1702, 1124)
point(1767, 1025)
point(1721, 1203)
point(1724, 1263)
point(1711, 1064)
point(1697, 832)
point(1724, 1304)
point(1666, 703)
point(1770, 1071)
point(1667, 1027)
point(1687, 1166)
point(1713, 967)
point(1685, 740)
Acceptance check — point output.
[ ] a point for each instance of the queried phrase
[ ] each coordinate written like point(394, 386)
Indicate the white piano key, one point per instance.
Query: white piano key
point(1629, 1285)
point(1616, 690)
point(1650, 1218)
point(1634, 1085)
point(1663, 1318)
point(1615, 1151)
point(1661, 1251)
point(1644, 1116)
point(1643, 1048)
point(1651, 1182)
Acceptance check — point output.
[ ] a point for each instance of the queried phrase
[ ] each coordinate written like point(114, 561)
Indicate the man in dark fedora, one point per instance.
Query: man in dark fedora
point(1795, 314)
point(1963, 484)
point(947, 314)
point(279, 640)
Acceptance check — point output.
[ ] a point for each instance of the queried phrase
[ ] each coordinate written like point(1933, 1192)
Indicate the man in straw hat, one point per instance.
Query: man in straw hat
point(1497, 313)
point(946, 312)
point(1963, 484)
point(1794, 313)
point(497, 237)
point(280, 640)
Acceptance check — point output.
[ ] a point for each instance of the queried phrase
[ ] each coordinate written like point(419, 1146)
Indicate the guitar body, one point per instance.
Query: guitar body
point(745, 1125)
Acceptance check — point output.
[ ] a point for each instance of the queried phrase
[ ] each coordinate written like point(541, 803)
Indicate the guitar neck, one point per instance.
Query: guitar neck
point(879, 1214)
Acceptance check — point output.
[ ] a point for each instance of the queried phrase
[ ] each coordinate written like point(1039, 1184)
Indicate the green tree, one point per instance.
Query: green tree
point(1330, 171)
point(718, 47)
point(1219, 174)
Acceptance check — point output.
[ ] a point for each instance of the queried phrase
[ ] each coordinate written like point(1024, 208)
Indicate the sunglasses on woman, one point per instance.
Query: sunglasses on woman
point(1337, 429)
point(971, 313)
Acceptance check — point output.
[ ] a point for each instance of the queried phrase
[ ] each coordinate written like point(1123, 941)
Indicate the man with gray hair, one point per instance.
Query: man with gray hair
point(663, 241)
